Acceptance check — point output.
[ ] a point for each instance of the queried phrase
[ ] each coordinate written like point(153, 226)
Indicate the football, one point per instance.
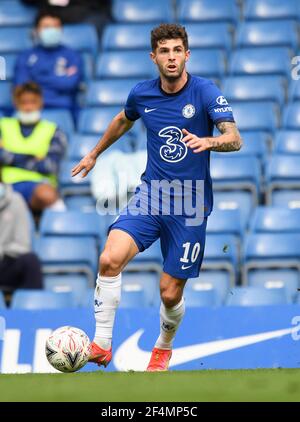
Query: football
point(68, 349)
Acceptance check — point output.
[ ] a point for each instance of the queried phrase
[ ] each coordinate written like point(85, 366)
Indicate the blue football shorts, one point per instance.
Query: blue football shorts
point(182, 246)
point(26, 189)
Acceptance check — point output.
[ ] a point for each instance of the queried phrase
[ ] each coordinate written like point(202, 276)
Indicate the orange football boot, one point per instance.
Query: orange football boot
point(159, 361)
point(100, 356)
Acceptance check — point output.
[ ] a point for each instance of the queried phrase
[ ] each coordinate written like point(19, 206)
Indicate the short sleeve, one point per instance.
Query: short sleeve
point(216, 104)
point(130, 107)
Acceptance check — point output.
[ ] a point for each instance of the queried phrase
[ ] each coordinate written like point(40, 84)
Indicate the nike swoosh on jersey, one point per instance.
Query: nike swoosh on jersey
point(186, 267)
point(148, 110)
point(130, 356)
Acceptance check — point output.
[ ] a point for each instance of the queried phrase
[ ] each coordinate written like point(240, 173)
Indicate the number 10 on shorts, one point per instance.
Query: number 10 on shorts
point(190, 253)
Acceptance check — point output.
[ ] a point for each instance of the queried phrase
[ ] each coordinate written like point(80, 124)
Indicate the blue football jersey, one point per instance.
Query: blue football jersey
point(197, 107)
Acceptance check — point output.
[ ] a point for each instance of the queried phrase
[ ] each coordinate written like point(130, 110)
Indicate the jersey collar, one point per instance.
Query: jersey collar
point(167, 94)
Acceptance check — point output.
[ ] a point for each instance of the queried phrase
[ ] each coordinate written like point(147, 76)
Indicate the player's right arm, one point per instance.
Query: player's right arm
point(117, 127)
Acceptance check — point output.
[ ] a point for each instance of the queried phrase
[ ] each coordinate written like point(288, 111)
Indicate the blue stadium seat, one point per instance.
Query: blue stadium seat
point(142, 11)
point(255, 88)
point(286, 198)
point(254, 143)
point(258, 115)
point(14, 40)
point(2, 303)
point(283, 33)
point(6, 95)
point(14, 13)
point(71, 223)
point(76, 284)
point(221, 253)
point(205, 10)
point(207, 63)
point(225, 222)
point(271, 250)
point(80, 145)
point(261, 61)
point(233, 173)
point(109, 92)
point(41, 300)
point(294, 90)
point(127, 36)
point(82, 37)
point(72, 185)
point(87, 300)
point(148, 260)
point(133, 296)
point(288, 279)
point(88, 66)
point(271, 9)
point(62, 118)
point(10, 61)
point(287, 142)
point(275, 220)
point(147, 281)
point(256, 296)
point(200, 295)
point(68, 255)
point(291, 116)
point(84, 203)
point(235, 199)
point(94, 121)
point(209, 35)
point(282, 172)
point(125, 64)
point(219, 280)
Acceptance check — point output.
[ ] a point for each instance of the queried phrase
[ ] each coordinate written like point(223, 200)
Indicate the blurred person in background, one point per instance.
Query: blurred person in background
point(56, 68)
point(96, 12)
point(19, 267)
point(31, 150)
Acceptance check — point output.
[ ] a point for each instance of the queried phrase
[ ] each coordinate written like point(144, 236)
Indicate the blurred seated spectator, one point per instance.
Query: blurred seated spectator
point(97, 12)
point(56, 68)
point(31, 150)
point(19, 267)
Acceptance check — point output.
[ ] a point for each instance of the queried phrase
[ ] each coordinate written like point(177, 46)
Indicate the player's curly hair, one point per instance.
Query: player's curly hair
point(169, 31)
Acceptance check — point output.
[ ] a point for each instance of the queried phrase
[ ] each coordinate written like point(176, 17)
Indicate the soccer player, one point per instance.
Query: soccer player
point(179, 111)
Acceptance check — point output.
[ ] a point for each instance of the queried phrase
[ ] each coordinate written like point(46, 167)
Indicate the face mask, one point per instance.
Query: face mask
point(2, 190)
point(29, 118)
point(50, 37)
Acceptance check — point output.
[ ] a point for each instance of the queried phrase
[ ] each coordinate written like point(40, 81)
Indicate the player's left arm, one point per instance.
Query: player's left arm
point(229, 140)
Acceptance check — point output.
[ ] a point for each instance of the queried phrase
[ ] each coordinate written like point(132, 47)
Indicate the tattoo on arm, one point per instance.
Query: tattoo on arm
point(233, 141)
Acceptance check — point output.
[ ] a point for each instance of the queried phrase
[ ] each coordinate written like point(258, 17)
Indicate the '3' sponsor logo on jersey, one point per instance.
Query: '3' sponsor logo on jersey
point(174, 149)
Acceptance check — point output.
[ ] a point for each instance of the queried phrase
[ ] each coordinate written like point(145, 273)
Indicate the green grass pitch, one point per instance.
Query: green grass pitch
point(250, 385)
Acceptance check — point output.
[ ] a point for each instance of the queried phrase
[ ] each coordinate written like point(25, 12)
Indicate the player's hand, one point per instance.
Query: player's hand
point(85, 165)
point(193, 141)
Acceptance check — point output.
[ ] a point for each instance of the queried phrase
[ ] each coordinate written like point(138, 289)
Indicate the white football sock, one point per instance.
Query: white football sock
point(170, 319)
point(107, 299)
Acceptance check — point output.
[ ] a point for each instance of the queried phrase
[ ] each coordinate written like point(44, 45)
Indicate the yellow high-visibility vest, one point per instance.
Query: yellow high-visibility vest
point(37, 144)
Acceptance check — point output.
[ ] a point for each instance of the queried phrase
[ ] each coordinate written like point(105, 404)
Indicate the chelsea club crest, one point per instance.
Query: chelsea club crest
point(188, 111)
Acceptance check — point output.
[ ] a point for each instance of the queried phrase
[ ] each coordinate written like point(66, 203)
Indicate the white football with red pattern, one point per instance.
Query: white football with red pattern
point(68, 349)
